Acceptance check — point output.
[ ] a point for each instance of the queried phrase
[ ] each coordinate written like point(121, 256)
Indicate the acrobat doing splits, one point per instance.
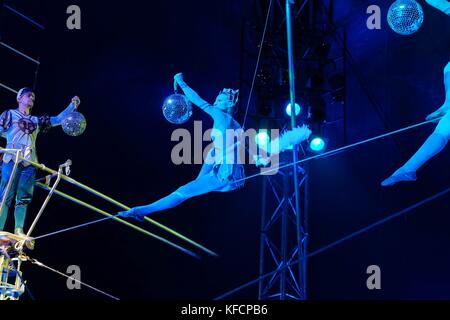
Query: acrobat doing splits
point(439, 138)
point(21, 130)
point(216, 174)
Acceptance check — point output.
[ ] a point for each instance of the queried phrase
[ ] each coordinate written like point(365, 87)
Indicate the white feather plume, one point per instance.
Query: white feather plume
point(288, 139)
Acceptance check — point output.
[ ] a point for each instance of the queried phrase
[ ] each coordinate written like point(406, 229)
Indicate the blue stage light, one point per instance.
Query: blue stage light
point(317, 144)
point(262, 138)
point(289, 109)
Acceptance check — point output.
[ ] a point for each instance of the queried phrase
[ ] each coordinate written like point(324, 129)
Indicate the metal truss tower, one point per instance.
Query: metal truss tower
point(294, 66)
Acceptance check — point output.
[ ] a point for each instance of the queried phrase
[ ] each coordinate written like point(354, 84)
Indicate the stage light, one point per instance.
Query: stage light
point(289, 109)
point(262, 138)
point(317, 144)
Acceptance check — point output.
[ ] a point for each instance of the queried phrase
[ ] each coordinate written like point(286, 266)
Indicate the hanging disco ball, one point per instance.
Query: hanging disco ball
point(177, 109)
point(405, 16)
point(74, 124)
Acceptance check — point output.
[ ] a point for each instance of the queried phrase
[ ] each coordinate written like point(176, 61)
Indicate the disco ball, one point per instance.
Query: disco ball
point(177, 109)
point(405, 16)
point(74, 124)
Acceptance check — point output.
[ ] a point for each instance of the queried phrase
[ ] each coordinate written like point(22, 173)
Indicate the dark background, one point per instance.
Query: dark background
point(121, 64)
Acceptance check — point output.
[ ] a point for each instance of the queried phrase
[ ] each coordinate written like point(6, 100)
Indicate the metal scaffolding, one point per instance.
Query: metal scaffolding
point(279, 245)
point(306, 28)
point(283, 231)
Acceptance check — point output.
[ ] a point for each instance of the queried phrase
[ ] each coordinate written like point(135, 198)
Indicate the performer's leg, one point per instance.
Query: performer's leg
point(199, 186)
point(206, 169)
point(432, 146)
point(442, 111)
point(208, 164)
point(6, 174)
point(447, 83)
point(24, 195)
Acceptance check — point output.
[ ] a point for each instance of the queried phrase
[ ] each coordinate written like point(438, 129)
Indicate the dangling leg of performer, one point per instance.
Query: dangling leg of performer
point(432, 146)
point(203, 184)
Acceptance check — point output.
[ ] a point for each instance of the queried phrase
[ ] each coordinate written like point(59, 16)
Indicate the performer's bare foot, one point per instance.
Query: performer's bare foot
point(399, 175)
point(131, 214)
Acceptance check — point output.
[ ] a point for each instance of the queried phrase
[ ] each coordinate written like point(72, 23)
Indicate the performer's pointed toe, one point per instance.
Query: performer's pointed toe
point(398, 177)
point(131, 214)
point(122, 214)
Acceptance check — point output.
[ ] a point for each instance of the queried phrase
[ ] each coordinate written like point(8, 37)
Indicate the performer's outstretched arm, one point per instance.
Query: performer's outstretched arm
point(194, 97)
point(188, 91)
point(56, 121)
point(442, 5)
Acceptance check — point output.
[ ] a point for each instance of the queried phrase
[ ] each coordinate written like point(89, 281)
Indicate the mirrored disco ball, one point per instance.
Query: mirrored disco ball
point(74, 124)
point(405, 16)
point(177, 109)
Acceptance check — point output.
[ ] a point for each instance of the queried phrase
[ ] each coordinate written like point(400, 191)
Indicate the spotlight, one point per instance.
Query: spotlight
point(262, 138)
point(289, 109)
point(317, 144)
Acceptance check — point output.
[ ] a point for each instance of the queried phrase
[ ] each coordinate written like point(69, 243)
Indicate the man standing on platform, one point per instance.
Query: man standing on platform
point(20, 130)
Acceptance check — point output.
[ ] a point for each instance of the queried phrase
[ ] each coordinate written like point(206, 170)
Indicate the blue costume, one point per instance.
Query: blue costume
point(442, 5)
point(219, 173)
